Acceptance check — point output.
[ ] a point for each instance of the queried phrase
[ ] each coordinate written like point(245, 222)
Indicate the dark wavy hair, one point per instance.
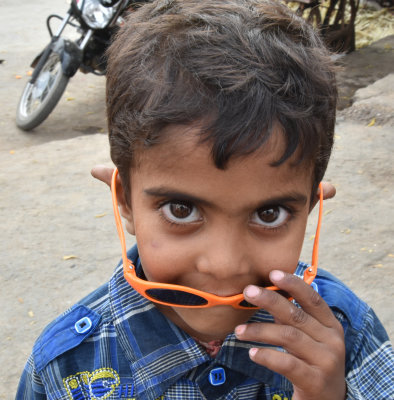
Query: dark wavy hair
point(235, 67)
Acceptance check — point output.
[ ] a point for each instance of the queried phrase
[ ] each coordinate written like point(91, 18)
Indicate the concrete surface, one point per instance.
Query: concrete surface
point(58, 238)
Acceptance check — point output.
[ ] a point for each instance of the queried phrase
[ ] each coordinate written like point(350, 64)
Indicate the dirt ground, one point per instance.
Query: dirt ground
point(58, 238)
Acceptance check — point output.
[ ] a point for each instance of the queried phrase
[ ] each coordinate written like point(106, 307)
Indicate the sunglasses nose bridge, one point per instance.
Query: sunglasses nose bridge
point(233, 301)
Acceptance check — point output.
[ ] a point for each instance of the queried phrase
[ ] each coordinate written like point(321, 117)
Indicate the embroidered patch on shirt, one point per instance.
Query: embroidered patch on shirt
point(99, 384)
point(282, 396)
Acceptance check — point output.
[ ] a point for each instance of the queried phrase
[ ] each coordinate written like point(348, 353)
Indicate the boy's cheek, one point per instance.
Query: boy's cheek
point(156, 244)
point(162, 261)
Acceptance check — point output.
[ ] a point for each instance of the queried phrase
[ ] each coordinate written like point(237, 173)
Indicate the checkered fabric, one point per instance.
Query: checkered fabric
point(115, 344)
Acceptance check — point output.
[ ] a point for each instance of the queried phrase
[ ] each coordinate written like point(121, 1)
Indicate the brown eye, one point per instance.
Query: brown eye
point(180, 212)
point(271, 216)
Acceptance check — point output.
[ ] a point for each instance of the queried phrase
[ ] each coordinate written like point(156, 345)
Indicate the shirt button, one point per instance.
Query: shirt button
point(83, 325)
point(217, 376)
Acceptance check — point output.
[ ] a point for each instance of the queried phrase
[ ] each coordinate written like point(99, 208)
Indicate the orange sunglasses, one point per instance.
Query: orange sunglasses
point(183, 296)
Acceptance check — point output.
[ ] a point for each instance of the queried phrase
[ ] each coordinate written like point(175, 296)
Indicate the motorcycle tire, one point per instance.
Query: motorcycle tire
point(40, 98)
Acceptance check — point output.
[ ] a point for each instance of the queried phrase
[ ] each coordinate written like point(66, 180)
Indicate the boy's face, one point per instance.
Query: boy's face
point(216, 230)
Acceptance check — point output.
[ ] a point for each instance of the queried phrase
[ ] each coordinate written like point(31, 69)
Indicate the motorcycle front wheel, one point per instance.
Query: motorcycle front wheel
point(40, 98)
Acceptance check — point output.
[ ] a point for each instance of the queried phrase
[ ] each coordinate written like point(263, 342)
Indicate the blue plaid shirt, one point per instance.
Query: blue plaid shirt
point(115, 344)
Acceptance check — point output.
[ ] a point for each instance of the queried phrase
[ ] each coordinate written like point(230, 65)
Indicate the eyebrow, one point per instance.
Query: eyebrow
point(294, 197)
point(163, 192)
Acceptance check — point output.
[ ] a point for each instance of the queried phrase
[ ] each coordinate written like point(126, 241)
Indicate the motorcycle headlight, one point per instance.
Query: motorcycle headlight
point(94, 14)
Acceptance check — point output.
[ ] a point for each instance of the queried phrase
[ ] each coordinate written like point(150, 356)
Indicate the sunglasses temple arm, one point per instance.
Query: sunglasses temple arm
point(311, 272)
point(117, 217)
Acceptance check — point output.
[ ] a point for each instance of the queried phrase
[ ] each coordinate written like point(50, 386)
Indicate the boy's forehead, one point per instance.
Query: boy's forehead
point(183, 147)
point(179, 142)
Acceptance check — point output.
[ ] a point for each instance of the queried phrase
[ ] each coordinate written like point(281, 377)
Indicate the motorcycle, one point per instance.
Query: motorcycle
point(95, 21)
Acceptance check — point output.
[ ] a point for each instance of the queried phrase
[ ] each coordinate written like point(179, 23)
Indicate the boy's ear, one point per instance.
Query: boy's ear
point(328, 193)
point(104, 174)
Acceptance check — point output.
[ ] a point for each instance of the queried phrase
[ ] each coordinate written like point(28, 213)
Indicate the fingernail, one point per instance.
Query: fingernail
point(252, 352)
point(240, 329)
point(252, 291)
point(276, 275)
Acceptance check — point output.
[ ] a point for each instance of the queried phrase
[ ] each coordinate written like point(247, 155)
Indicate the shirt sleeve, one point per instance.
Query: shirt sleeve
point(372, 374)
point(30, 385)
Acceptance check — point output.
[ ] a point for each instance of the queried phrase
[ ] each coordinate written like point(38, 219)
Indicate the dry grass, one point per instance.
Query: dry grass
point(371, 25)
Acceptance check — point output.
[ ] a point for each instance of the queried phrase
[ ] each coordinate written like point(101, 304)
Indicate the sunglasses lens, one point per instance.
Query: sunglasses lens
point(176, 297)
point(246, 304)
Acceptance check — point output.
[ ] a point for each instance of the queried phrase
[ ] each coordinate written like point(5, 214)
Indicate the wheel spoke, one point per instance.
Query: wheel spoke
point(38, 92)
point(39, 99)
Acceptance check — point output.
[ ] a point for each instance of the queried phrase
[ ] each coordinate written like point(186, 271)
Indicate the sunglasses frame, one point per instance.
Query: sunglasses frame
point(142, 286)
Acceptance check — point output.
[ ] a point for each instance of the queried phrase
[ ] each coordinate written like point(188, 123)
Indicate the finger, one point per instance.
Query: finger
point(284, 311)
point(310, 301)
point(292, 339)
point(298, 372)
point(308, 381)
point(102, 173)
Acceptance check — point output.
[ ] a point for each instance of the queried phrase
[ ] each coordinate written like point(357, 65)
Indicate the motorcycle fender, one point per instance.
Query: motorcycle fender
point(35, 61)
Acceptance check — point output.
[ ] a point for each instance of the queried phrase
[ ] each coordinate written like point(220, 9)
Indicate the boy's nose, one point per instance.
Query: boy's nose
point(224, 256)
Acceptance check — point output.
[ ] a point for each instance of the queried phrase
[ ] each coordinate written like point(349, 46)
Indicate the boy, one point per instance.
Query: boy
point(221, 117)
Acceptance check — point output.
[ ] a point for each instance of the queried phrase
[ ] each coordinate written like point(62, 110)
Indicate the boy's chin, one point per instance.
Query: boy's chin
point(208, 324)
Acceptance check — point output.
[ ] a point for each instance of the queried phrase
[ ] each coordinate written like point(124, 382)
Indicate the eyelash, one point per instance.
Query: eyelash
point(167, 220)
point(290, 211)
point(273, 229)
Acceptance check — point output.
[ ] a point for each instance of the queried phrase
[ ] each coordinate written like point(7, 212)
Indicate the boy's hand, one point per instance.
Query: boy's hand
point(313, 338)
